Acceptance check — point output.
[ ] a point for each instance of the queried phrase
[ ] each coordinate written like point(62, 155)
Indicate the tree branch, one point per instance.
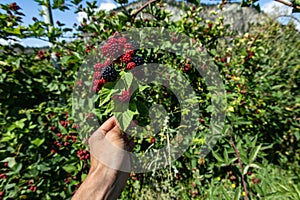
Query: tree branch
point(288, 4)
point(241, 167)
point(142, 8)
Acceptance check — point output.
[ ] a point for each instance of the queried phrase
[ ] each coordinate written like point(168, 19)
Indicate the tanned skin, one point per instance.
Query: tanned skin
point(104, 180)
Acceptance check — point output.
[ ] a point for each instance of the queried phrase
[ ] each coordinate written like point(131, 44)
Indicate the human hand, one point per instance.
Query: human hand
point(109, 154)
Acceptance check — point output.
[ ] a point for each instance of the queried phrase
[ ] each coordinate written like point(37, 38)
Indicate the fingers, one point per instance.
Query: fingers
point(111, 130)
point(108, 125)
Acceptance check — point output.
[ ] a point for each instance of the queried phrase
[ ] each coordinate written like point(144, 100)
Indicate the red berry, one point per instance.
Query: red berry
point(79, 83)
point(186, 68)
point(112, 48)
point(97, 75)
point(126, 57)
point(67, 180)
point(14, 6)
point(98, 67)
point(33, 188)
point(130, 65)
point(131, 52)
point(3, 176)
point(95, 88)
point(57, 54)
point(41, 54)
point(152, 140)
point(125, 96)
point(122, 41)
point(128, 46)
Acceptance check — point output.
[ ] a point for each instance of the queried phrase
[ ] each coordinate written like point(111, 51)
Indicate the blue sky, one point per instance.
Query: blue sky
point(31, 9)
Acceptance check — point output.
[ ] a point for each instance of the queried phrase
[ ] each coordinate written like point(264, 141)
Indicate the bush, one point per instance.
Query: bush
point(43, 149)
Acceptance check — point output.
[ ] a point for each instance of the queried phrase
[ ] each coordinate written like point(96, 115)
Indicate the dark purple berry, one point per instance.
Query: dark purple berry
point(109, 74)
point(137, 60)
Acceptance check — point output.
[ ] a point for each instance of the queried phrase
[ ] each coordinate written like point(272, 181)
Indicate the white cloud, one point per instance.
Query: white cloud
point(11, 41)
point(106, 5)
point(276, 8)
point(81, 16)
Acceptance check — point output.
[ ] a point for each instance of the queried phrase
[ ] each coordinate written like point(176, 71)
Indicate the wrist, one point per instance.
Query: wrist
point(98, 184)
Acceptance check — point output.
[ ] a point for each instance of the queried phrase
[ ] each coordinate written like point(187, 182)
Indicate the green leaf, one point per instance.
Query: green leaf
point(237, 193)
point(122, 1)
point(10, 160)
point(128, 79)
point(225, 155)
point(20, 124)
point(218, 157)
point(105, 96)
point(76, 2)
point(224, 191)
point(245, 170)
point(69, 168)
point(124, 118)
point(38, 141)
point(254, 153)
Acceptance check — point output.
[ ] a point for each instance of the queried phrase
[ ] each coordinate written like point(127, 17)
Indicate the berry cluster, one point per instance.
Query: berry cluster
point(63, 141)
point(124, 97)
point(31, 186)
point(187, 66)
point(98, 80)
point(83, 154)
point(113, 47)
point(3, 176)
point(111, 50)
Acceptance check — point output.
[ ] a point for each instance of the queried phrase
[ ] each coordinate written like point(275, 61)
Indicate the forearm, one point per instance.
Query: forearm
point(98, 185)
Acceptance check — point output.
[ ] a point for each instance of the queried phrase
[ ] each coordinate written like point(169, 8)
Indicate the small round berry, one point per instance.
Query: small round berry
point(130, 65)
point(109, 73)
point(125, 96)
point(98, 67)
point(126, 57)
point(137, 60)
point(152, 140)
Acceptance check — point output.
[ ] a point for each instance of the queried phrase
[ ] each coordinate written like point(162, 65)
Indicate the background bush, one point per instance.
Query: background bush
point(42, 155)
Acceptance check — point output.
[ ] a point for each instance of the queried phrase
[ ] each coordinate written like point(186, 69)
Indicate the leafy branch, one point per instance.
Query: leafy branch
point(241, 167)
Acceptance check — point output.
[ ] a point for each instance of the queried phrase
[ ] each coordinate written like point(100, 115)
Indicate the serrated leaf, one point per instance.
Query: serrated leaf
point(225, 192)
point(254, 153)
point(217, 156)
point(38, 141)
point(105, 96)
point(124, 118)
point(69, 168)
point(10, 160)
point(20, 124)
point(128, 77)
point(237, 193)
point(225, 155)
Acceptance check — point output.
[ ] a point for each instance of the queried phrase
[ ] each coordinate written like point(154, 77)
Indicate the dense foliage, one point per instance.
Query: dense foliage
point(43, 155)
